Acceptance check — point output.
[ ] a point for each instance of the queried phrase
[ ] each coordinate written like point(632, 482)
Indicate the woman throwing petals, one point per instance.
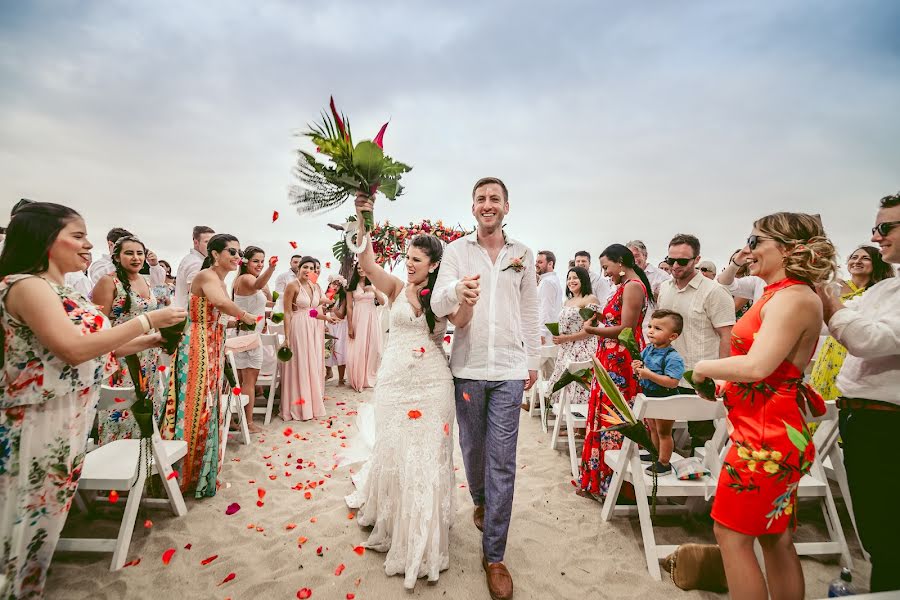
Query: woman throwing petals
point(767, 402)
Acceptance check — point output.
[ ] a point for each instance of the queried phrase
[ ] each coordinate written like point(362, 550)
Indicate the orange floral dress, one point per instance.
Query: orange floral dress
point(772, 448)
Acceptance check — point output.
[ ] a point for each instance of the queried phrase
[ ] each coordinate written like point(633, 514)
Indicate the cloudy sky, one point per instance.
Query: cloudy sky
point(608, 122)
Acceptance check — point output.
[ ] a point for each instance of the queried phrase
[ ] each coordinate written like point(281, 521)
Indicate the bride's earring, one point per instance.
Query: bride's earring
point(621, 273)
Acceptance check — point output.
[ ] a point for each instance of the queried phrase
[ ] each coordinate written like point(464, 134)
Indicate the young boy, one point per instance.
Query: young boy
point(660, 369)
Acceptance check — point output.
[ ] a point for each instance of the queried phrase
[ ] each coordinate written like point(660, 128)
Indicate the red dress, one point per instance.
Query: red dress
point(772, 447)
point(595, 475)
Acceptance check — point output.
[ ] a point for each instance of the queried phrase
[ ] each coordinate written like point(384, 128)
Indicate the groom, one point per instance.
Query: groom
point(494, 359)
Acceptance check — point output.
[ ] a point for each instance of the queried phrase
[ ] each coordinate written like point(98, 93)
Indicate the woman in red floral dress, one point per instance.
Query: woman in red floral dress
point(625, 308)
point(767, 402)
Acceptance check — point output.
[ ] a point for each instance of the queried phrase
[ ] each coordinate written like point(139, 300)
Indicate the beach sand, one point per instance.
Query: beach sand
point(558, 547)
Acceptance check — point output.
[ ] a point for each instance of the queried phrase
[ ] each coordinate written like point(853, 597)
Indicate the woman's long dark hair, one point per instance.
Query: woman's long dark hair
point(29, 236)
point(217, 243)
point(121, 273)
point(584, 278)
point(620, 254)
point(434, 250)
point(880, 269)
point(355, 279)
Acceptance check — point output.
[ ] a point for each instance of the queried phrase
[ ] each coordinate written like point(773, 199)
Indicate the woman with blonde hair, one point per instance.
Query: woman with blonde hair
point(767, 400)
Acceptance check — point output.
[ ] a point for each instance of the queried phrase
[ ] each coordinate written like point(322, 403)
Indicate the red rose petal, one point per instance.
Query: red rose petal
point(113, 496)
point(466, 396)
point(350, 516)
point(187, 546)
point(206, 561)
point(132, 563)
point(340, 569)
point(414, 414)
point(172, 475)
point(119, 400)
point(304, 593)
point(287, 432)
point(308, 495)
point(359, 550)
point(228, 578)
point(167, 555)
point(447, 429)
point(350, 596)
point(290, 526)
point(161, 368)
point(274, 215)
point(424, 292)
point(447, 339)
point(236, 391)
point(232, 508)
point(260, 503)
point(261, 493)
point(293, 245)
point(148, 524)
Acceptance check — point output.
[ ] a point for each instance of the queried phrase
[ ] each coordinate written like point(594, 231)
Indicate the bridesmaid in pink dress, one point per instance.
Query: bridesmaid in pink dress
point(303, 386)
point(364, 343)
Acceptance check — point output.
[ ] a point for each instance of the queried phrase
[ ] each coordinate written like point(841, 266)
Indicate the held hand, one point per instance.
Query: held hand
point(151, 258)
point(364, 203)
point(560, 339)
point(351, 334)
point(468, 290)
point(636, 364)
point(166, 317)
point(532, 377)
point(332, 319)
point(642, 373)
point(273, 260)
point(740, 259)
point(698, 378)
point(249, 319)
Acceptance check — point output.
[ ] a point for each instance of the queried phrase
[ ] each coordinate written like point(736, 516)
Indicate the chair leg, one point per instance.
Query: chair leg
point(126, 528)
point(840, 473)
point(838, 534)
point(570, 434)
point(170, 484)
point(242, 421)
point(615, 485)
point(557, 424)
point(80, 503)
point(542, 401)
point(640, 492)
point(271, 397)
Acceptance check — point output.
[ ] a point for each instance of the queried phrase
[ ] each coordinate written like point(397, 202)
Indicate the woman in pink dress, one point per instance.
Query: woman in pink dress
point(364, 338)
point(303, 387)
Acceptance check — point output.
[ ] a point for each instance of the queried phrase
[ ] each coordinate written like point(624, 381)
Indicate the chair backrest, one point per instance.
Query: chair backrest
point(682, 407)
point(269, 339)
point(229, 356)
point(574, 367)
point(549, 351)
point(116, 397)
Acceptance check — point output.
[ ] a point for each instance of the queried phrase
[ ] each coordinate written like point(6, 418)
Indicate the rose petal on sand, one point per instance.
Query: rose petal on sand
point(228, 578)
point(287, 432)
point(113, 496)
point(340, 569)
point(290, 526)
point(132, 563)
point(414, 414)
point(232, 508)
point(208, 560)
point(359, 550)
point(304, 593)
point(167, 555)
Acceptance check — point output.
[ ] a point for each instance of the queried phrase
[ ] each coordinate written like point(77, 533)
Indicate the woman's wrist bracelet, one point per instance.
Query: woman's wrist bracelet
point(145, 322)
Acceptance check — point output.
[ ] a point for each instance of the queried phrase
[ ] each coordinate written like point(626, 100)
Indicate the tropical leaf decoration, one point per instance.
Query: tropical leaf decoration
point(284, 354)
point(552, 327)
point(142, 409)
point(626, 338)
point(582, 378)
point(363, 167)
point(706, 389)
point(277, 318)
point(587, 313)
point(172, 336)
point(275, 296)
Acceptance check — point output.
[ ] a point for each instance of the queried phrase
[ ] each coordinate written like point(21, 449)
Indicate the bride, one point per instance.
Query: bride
point(405, 490)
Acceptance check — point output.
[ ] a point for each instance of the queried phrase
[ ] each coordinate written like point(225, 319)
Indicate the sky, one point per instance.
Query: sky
point(608, 121)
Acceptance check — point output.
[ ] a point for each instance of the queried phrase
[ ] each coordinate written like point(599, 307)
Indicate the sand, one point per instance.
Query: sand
point(558, 547)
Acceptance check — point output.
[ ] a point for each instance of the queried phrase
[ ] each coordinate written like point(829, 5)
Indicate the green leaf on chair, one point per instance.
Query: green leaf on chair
point(626, 338)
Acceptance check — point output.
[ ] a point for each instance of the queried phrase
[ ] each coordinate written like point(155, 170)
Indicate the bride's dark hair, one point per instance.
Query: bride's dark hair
point(434, 250)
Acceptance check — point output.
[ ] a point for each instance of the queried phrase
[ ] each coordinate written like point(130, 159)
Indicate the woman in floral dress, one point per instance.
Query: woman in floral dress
point(57, 349)
point(192, 406)
point(866, 268)
point(122, 296)
point(768, 403)
point(574, 344)
point(625, 309)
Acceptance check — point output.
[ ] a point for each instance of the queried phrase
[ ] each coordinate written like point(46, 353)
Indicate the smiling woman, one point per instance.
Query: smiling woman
point(57, 348)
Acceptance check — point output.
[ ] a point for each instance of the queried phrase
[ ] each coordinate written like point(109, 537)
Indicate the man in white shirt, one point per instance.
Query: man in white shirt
point(104, 265)
point(288, 276)
point(600, 285)
point(550, 294)
point(869, 381)
point(494, 359)
point(655, 276)
point(708, 314)
point(191, 264)
point(79, 281)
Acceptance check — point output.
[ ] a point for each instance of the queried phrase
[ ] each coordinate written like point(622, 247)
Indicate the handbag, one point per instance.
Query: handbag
point(697, 567)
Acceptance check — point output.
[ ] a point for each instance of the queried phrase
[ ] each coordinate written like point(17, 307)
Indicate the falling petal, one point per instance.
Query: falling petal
point(206, 561)
point(228, 578)
point(274, 215)
point(232, 508)
point(293, 245)
point(113, 496)
point(161, 368)
point(467, 397)
point(167, 555)
point(236, 391)
point(327, 265)
point(447, 339)
point(424, 292)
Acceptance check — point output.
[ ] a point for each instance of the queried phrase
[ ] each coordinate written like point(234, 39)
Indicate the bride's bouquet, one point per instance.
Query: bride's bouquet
point(363, 167)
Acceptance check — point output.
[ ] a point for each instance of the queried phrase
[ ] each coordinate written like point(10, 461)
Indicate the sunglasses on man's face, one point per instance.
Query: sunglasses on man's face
point(885, 228)
point(683, 262)
point(234, 252)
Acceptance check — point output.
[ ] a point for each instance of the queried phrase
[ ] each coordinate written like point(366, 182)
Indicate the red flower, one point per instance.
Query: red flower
point(379, 139)
point(414, 414)
point(337, 118)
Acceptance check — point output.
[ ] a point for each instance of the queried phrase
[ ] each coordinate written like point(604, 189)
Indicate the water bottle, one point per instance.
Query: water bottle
point(841, 586)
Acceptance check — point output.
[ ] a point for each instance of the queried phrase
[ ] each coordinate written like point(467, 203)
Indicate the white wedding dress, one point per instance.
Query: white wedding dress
point(405, 489)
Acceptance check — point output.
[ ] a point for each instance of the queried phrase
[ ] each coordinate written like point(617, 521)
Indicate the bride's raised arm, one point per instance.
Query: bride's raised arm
point(382, 280)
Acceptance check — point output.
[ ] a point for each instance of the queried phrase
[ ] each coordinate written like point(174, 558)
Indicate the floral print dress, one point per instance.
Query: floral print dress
point(117, 424)
point(46, 411)
point(831, 358)
point(595, 475)
point(570, 322)
point(771, 446)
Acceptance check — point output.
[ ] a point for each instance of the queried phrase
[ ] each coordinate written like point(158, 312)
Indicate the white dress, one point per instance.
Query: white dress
point(405, 490)
point(255, 304)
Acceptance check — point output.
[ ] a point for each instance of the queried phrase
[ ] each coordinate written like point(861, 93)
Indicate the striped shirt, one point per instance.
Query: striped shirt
point(502, 341)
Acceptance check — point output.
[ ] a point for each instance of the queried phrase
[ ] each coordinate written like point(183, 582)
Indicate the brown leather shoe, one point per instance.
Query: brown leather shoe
point(499, 581)
point(478, 517)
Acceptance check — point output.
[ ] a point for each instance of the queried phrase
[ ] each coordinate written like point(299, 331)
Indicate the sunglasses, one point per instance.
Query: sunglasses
point(753, 240)
point(705, 270)
point(885, 228)
point(683, 262)
point(234, 252)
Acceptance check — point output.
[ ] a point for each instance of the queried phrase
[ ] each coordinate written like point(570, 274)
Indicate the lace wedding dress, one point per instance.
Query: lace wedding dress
point(405, 490)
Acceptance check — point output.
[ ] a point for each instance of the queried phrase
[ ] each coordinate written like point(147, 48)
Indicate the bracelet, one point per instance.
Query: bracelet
point(145, 322)
point(149, 321)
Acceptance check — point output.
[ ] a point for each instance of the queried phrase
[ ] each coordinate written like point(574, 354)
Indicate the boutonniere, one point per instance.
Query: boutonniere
point(516, 264)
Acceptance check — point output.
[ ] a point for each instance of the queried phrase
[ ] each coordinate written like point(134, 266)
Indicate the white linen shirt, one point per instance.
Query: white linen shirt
point(104, 266)
point(600, 287)
point(283, 280)
point(656, 277)
point(550, 299)
point(869, 327)
point(80, 282)
point(750, 286)
point(704, 305)
point(502, 341)
point(187, 269)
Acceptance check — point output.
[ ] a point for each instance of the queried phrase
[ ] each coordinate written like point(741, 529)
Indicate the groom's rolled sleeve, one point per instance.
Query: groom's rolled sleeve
point(531, 333)
point(444, 300)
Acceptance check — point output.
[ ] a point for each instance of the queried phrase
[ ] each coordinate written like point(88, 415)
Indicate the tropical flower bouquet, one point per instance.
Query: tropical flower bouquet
point(363, 167)
point(390, 242)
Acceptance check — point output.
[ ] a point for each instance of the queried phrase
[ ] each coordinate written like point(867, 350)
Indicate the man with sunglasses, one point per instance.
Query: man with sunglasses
point(869, 381)
point(708, 314)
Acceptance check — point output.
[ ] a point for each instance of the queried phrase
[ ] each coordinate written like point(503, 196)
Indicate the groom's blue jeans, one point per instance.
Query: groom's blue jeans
point(488, 415)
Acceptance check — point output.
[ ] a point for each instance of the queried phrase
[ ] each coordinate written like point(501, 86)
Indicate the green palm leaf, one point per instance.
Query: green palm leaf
point(612, 391)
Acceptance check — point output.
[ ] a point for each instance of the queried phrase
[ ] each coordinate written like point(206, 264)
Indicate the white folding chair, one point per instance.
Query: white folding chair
point(541, 388)
point(233, 404)
point(575, 415)
point(269, 375)
point(118, 465)
point(815, 485)
point(626, 466)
